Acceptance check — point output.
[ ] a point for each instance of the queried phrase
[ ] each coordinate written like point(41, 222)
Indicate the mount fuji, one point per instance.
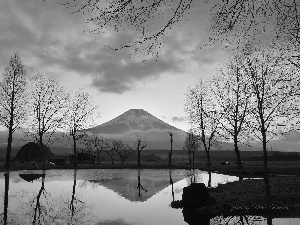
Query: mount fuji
point(136, 123)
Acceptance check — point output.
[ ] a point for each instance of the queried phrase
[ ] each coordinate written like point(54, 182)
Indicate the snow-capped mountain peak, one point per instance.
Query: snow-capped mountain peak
point(133, 119)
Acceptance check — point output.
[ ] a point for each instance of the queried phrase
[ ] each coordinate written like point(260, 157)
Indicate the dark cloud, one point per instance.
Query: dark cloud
point(179, 119)
point(48, 38)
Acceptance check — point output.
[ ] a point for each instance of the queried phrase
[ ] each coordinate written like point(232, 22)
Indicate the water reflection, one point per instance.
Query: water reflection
point(172, 185)
point(242, 219)
point(108, 197)
point(72, 206)
point(39, 212)
point(6, 175)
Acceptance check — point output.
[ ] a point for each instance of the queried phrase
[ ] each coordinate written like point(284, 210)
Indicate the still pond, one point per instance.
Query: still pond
point(106, 197)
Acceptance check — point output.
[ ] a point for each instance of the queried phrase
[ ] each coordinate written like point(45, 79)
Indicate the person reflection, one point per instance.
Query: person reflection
point(6, 175)
point(140, 187)
point(172, 184)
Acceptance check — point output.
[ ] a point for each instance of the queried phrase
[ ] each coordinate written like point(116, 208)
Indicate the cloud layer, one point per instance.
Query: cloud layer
point(50, 39)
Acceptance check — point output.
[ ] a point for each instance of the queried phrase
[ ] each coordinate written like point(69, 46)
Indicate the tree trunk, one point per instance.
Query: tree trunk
point(75, 150)
point(193, 159)
point(209, 179)
point(172, 185)
point(208, 163)
point(6, 197)
point(8, 152)
point(266, 172)
point(170, 159)
point(37, 209)
point(11, 122)
point(237, 152)
point(111, 156)
point(139, 158)
point(190, 160)
point(171, 152)
point(43, 150)
point(72, 207)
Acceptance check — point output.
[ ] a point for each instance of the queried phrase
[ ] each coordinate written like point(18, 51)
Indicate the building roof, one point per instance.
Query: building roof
point(32, 152)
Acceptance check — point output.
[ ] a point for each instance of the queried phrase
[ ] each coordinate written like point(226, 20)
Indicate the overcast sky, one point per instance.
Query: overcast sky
point(51, 40)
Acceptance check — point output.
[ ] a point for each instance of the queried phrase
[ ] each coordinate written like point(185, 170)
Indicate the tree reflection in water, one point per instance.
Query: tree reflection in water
point(172, 185)
point(209, 179)
point(6, 175)
point(140, 187)
point(8, 217)
point(192, 218)
point(39, 210)
point(44, 208)
point(241, 220)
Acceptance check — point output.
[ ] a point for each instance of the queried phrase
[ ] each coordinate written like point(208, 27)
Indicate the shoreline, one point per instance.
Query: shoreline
point(242, 197)
point(246, 171)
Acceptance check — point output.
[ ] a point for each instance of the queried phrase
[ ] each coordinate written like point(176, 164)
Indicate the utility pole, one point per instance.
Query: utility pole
point(171, 152)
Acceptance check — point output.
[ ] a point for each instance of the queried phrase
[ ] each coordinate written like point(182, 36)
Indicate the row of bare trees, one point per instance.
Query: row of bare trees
point(44, 107)
point(96, 144)
point(41, 105)
point(255, 98)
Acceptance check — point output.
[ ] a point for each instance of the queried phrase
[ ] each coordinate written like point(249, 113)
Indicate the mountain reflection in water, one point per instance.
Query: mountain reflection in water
point(106, 197)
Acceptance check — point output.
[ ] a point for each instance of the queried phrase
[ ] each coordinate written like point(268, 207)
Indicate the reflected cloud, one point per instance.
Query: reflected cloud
point(61, 200)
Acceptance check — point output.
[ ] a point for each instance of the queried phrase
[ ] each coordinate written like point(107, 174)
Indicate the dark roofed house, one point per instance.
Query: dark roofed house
point(31, 154)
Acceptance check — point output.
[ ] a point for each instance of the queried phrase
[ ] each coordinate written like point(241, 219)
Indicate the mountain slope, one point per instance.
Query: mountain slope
point(133, 119)
point(139, 123)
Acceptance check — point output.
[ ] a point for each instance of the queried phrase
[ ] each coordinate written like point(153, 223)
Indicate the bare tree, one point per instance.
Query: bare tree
point(191, 146)
point(81, 115)
point(110, 149)
point(205, 116)
point(47, 108)
point(149, 20)
point(232, 21)
point(231, 90)
point(139, 145)
point(123, 150)
point(275, 88)
point(259, 22)
point(93, 143)
point(12, 99)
